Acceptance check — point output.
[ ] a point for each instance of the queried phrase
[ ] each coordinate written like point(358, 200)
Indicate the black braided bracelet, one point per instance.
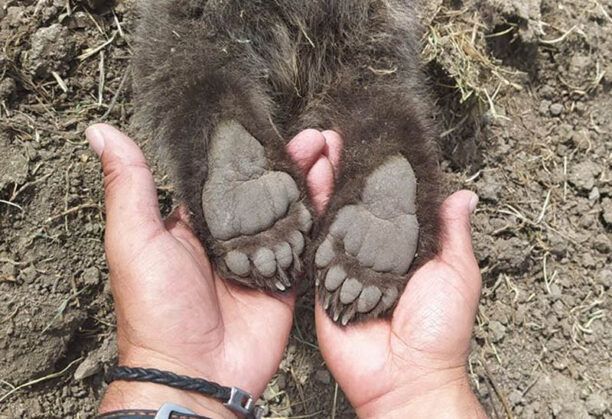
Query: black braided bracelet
point(236, 400)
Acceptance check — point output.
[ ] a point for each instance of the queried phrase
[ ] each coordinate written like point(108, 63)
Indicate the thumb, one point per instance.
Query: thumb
point(436, 312)
point(132, 210)
point(457, 230)
point(320, 181)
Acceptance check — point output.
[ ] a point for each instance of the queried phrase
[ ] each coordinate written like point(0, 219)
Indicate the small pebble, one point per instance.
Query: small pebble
point(7, 88)
point(28, 275)
point(323, 376)
point(602, 244)
point(596, 404)
point(544, 107)
point(91, 276)
point(87, 368)
point(8, 271)
point(584, 175)
point(498, 330)
point(271, 392)
point(607, 211)
point(556, 109)
point(515, 397)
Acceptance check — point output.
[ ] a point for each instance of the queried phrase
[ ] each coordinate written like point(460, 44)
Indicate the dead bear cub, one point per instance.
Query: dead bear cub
point(222, 85)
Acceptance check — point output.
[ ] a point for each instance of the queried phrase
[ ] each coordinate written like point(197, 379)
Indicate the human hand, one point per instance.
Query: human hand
point(414, 365)
point(173, 311)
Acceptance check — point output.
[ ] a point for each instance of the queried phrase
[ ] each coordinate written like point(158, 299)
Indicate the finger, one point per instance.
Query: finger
point(436, 312)
point(306, 148)
point(129, 188)
point(456, 212)
point(333, 148)
point(458, 269)
point(320, 181)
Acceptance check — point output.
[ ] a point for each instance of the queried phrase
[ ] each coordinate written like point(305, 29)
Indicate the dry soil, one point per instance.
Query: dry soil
point(523, 88)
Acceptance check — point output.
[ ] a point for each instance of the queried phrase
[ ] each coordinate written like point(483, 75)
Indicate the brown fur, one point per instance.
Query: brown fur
point(280, 66)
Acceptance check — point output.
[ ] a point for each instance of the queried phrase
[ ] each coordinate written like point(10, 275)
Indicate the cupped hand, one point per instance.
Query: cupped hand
point(173, 311)
point(414, 365)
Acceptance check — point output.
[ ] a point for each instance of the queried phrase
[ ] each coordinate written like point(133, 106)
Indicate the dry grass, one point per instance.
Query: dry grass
point(456, 41)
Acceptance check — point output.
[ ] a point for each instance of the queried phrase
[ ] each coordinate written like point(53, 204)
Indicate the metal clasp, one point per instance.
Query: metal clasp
point(242, 403)
point(168, 409)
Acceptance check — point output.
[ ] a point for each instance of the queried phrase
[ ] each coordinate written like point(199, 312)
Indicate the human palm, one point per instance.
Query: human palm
point(386, 365)
point(394, 367)
point(173, 311)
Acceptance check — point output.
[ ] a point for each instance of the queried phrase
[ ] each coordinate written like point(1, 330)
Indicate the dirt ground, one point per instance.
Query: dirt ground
point(523, 88)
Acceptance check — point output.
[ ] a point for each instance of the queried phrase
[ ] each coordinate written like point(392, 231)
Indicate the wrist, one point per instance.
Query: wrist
point(452, 400)
point(128, 395)
point(123, 395)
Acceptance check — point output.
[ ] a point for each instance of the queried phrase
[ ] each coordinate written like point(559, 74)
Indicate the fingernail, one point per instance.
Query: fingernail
point(474, 203)
point(96, 140)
